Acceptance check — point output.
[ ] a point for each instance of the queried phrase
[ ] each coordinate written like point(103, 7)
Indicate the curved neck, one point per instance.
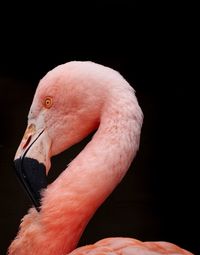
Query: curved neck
point(74, 197)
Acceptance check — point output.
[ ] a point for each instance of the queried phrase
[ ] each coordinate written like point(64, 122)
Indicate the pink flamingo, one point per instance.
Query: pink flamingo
point(70, 102)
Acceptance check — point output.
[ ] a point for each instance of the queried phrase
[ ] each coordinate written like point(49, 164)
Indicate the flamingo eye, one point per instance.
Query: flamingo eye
point(48, 102)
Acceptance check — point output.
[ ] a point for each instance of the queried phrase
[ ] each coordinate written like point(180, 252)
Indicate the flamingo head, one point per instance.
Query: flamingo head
point(66, 108)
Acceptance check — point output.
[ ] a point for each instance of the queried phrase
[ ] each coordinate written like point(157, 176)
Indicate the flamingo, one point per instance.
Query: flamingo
point(70, 102)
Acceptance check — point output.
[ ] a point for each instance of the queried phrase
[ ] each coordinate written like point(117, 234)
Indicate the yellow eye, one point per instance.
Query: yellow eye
point(48, 102)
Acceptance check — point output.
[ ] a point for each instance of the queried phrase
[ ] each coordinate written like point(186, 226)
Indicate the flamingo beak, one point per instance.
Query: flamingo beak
point(30, 163)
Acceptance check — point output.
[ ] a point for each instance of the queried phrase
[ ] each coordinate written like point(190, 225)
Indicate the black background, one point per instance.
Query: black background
point(151, 46)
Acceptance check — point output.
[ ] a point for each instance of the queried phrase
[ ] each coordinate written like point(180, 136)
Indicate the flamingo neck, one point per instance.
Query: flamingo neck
point(73, 198)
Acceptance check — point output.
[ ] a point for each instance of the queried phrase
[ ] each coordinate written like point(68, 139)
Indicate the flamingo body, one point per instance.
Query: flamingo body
point(70, 102)
point(128, 246)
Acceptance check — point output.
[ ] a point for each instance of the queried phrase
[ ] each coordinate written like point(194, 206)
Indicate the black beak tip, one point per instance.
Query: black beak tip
point(32, 175)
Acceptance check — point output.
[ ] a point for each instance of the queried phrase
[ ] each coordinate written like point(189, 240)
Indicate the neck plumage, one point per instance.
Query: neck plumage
point(73, 198)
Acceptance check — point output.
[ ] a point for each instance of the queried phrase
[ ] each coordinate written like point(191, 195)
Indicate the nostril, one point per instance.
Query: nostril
point(27, 142)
